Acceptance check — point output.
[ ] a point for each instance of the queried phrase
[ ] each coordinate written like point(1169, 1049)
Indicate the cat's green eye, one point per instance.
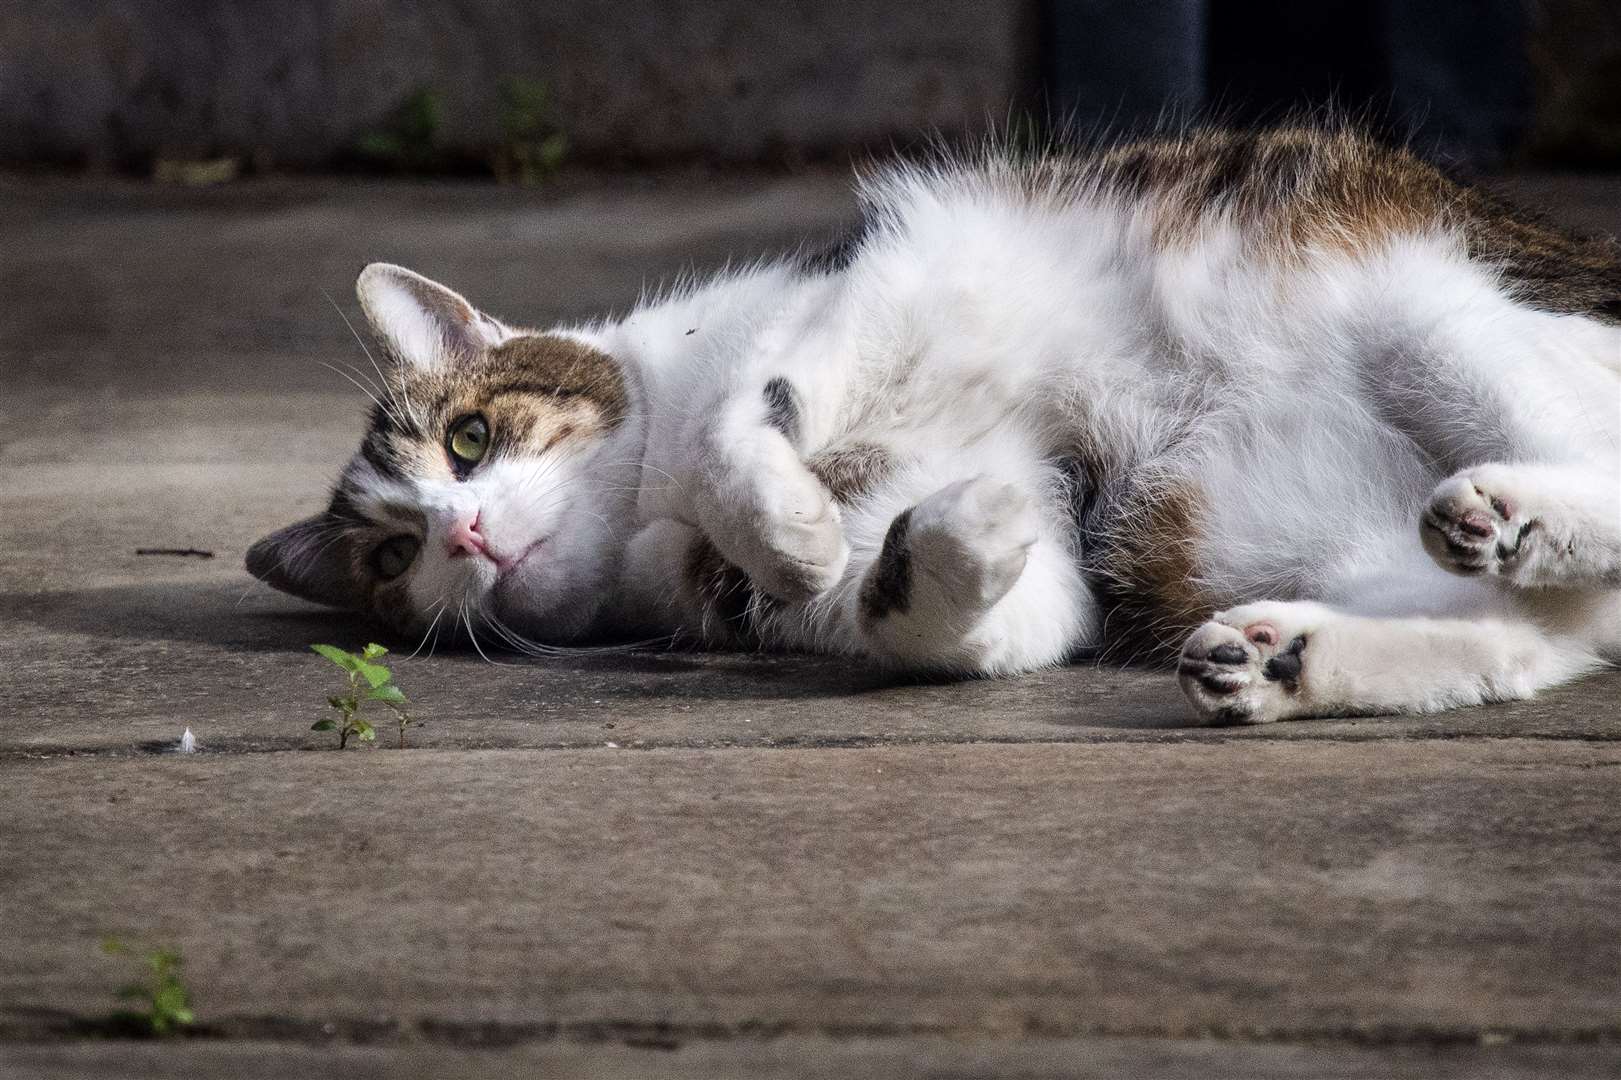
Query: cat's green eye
point(469, 439)
point(394, 556)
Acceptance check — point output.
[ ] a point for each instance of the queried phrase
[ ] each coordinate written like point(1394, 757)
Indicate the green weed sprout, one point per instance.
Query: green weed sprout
point(532, 147)
point(368, 681)
point(166, 1000)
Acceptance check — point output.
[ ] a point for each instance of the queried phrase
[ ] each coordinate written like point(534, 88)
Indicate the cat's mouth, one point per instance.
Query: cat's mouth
point(505, 568)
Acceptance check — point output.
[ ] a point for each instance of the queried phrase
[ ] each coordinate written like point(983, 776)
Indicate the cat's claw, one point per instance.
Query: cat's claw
point(1472, 527)
point(1245, 666)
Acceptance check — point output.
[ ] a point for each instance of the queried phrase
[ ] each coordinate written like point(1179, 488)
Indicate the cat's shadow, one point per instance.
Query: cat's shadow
point(250, 618)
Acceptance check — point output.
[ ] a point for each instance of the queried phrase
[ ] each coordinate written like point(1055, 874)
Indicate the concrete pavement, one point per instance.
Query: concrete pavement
point(784, 866)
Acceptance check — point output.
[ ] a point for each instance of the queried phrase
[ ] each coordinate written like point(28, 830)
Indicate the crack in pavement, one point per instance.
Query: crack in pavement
point(41, 1025)
point(1193, 736)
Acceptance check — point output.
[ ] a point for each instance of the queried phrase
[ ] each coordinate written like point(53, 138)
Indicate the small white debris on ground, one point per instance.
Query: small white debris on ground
point(188, 743)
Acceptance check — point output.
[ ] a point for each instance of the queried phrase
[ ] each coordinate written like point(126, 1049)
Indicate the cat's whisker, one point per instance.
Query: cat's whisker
point(541, 649)
point(363, 388)
point(439, 611)
point(384, 384)
point(433, 648)
point(472, 636)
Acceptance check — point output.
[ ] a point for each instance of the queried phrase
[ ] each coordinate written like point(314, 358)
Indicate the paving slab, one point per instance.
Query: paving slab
point(1432, 887)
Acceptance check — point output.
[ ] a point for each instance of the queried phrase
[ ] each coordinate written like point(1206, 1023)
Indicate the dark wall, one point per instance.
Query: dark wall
point(1480, 82)
point(120, 82)
point(302, 83)
point(1450, 74)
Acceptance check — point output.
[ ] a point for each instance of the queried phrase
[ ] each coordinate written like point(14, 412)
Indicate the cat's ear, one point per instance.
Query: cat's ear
point(421, 322)
point(310, 560)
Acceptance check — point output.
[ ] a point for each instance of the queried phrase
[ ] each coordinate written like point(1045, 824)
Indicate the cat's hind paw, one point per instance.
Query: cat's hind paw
point(974, 537)
point(1473, 525)
point(1245, 666)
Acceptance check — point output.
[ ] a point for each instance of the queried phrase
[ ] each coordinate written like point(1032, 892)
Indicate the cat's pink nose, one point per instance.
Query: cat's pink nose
point(465, 539)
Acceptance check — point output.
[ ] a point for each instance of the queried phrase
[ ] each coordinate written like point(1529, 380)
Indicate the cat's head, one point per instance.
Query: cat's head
point(492, 479)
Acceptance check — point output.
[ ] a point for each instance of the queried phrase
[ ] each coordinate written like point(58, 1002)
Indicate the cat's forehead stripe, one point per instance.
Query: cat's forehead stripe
point(366, 494)
point(547, 369)
point(558, 367)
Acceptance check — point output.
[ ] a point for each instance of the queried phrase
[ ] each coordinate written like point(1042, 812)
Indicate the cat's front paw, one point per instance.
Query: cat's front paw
point(1246, 665)
point(1475, 524)
point(773, 519)
point(804, 552)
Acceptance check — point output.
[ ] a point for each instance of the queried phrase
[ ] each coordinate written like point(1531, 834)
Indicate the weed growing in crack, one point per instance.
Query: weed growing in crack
point(165, 1001)
point(368, 681)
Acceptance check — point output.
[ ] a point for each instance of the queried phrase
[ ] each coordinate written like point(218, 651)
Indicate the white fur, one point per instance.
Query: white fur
point(1320, 406)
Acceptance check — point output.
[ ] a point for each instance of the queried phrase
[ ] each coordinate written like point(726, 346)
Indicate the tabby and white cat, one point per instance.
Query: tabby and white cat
point(1334, 433)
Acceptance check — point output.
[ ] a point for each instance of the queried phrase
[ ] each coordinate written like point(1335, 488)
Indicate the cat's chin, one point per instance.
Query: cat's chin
point(549, 612)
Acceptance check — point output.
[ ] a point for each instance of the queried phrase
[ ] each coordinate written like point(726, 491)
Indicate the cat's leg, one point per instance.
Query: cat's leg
point(675, 582)
point(1531, 525)
point(1523, 408)
point(1291, 659)
point(971, 581)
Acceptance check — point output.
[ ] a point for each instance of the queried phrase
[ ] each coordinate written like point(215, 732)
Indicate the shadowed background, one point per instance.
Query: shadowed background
point(392, 84)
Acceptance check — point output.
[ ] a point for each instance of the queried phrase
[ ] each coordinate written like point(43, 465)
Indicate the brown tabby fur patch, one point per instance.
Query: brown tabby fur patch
point(1144, 569)
point(1293, 190)
point(851, 471)
point(535, 391)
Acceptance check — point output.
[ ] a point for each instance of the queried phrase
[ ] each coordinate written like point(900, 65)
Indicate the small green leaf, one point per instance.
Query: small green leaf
point(373, 651)
point(170, 998)
point(364, 731)
point(374, 674)
point(113, 947)
point(326, 724)
point(348, 661)
point(387, 692)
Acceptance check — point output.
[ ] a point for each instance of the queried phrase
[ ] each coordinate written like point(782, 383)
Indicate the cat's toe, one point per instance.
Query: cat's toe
point(1216, 668)
point(805, 550)
point(1469, 529)
point(1240, 670)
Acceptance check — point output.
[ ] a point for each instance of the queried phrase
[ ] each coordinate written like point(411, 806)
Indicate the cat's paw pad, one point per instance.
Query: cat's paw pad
point(974, 537)
point(1473, 524)
point(1243, 667)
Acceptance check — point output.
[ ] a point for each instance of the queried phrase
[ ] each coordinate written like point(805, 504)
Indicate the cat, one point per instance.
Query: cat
point(1288, 410)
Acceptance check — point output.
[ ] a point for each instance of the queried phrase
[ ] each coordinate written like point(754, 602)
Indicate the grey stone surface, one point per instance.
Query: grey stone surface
point(787, 866)
point(1383, 893)
point(1302, 887)
point(298, 82)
